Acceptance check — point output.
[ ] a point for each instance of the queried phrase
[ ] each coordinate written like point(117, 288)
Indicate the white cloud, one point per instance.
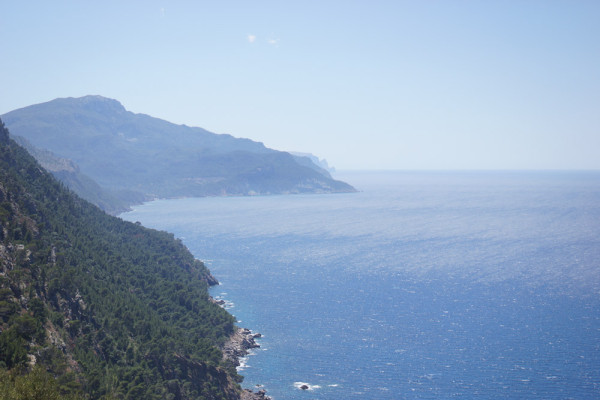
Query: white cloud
point(251, 38)
point(273, 42)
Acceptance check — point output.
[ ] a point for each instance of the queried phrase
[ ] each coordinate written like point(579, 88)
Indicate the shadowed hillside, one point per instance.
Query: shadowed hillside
point(90, 304)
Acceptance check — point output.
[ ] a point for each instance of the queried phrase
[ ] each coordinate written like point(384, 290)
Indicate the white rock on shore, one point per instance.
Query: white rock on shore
point(239, 345)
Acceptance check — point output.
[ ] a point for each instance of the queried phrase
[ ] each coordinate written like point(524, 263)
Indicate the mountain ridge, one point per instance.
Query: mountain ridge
point(122, 150)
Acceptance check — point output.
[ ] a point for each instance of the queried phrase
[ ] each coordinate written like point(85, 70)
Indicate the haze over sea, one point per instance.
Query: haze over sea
point(427, 285)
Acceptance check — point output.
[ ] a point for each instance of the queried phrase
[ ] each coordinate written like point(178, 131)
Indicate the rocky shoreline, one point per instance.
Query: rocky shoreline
point(239, 345)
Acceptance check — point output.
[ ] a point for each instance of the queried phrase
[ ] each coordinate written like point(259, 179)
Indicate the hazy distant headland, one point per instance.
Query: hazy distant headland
point(116, 158)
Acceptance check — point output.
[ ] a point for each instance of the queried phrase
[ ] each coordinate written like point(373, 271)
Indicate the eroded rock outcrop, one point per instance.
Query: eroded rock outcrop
point(239, 345)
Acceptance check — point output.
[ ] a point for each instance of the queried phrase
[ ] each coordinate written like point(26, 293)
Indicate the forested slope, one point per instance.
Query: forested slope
point(108, 308)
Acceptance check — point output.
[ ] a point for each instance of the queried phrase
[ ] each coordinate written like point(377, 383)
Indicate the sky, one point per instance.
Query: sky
point(409, 85)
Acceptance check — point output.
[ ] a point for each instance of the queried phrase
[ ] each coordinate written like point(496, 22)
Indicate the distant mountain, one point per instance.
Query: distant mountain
point(320, 162)
point(65, 170)
point(93, 307)
point(121, 151)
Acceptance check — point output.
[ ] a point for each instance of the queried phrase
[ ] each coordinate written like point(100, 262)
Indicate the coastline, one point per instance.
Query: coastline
point(239, 345)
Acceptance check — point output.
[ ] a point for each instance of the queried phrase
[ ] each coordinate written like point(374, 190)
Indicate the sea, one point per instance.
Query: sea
point(422, 285)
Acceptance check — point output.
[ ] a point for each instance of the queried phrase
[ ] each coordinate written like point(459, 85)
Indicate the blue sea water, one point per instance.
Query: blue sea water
point(424, 285)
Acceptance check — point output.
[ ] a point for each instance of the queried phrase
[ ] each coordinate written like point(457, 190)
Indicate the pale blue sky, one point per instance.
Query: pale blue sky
point(365, 84)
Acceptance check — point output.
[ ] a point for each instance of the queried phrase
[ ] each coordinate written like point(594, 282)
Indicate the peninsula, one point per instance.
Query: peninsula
point(115, 158)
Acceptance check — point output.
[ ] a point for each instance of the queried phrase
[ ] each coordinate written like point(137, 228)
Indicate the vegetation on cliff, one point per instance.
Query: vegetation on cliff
point(97, 307)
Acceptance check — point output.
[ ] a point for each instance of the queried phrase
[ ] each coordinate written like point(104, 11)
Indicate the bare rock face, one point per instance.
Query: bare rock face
point(211, 280)
point(248, 394)
point(239, 345)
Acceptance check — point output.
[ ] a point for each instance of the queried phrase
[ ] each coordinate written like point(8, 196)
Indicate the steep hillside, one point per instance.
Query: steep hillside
point(96, 307)
point(122, 150)
point(69, 173)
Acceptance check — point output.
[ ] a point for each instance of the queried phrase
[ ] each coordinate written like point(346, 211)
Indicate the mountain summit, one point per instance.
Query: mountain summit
point(124, 151)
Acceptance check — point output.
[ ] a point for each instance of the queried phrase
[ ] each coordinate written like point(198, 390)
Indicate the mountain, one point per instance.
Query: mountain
point(121, 150)
point(95, 307)
point(66, 171)
point(321, 163)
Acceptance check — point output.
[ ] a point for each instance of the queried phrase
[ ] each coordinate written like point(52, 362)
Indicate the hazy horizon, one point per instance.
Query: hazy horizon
point(380, 86)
